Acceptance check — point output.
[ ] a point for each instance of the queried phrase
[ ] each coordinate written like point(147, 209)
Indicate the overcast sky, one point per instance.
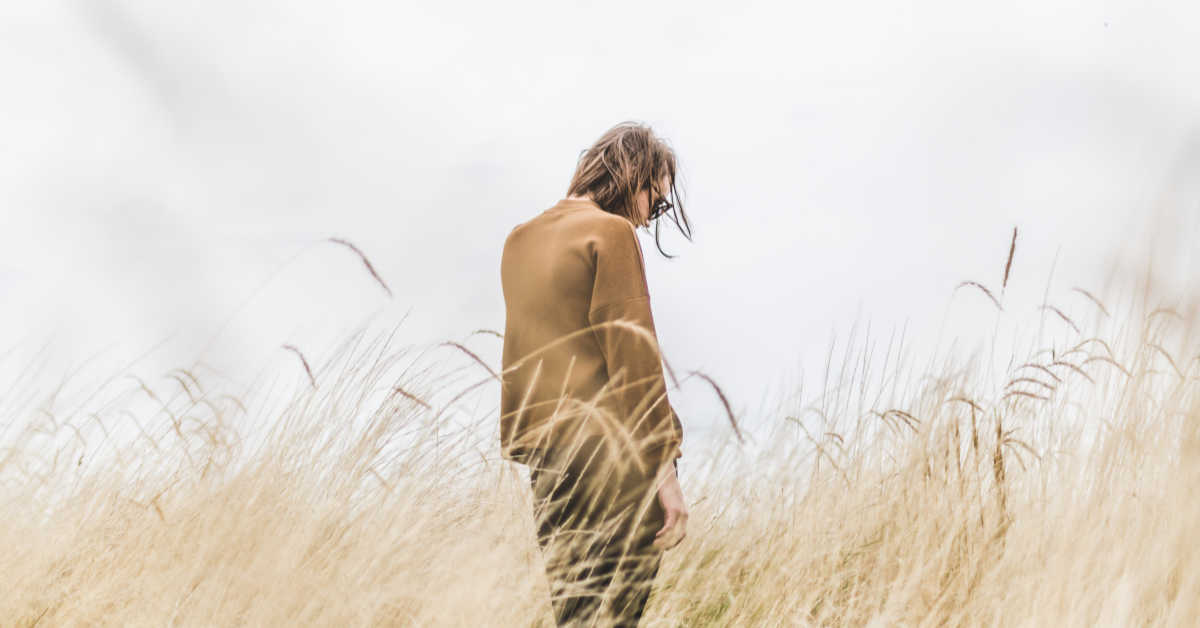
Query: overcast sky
point(170, 170)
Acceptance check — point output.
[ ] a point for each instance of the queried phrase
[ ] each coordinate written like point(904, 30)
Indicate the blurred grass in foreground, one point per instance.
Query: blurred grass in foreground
point(1059, 490)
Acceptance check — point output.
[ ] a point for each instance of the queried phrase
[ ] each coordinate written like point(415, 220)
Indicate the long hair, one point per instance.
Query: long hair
point(629, 158)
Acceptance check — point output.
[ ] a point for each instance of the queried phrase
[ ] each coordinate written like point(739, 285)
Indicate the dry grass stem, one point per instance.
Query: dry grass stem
point(366, 262)
point(983, 289)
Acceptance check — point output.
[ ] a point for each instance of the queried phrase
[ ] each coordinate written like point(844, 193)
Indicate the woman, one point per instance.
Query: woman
point(583, 400)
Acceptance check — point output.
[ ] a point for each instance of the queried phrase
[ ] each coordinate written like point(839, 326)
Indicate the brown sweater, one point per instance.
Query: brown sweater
point(572, 276)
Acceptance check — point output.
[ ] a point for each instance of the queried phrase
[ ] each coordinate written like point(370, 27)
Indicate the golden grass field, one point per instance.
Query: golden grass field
point(1061, 489)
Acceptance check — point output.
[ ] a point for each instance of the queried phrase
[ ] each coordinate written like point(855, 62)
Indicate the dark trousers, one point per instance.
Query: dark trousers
point(595, 525)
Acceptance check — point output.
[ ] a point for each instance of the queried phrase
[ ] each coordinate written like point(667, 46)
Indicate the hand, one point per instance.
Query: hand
point(670, 495)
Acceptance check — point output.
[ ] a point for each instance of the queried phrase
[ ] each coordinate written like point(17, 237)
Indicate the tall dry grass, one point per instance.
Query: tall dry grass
point(1061, 489)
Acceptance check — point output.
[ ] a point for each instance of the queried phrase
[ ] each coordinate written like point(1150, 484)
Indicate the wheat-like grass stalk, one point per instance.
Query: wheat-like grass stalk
point(404, 393)
point(1012, 249)
point(983, 288)
point(1061, 315)
point(1104, 358)
point(1099, 341)
point(1093, 299)
point(724, 403)
point(1022, 393)
point(311, 380)
point(366, 262)
point(1041, 368)
point(1075, 368)
point(1029, 380)
point(478, 360)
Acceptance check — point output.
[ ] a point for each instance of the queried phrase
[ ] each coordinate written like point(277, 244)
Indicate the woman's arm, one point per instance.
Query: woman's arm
point(623, 324)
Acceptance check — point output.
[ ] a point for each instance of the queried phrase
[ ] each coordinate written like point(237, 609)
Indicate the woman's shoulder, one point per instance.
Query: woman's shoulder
point(605, 223)
point(581, 225)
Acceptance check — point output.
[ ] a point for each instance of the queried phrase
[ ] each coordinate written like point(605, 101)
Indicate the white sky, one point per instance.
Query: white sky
point(170, 169)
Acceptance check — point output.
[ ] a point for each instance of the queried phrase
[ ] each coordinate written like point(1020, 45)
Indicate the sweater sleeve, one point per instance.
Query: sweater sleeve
point(633, 359)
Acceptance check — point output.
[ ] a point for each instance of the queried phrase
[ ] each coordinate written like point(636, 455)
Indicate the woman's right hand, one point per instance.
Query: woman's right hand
point(670, 495)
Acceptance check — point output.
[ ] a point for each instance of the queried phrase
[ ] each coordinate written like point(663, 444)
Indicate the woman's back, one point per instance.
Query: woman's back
point(567, 274)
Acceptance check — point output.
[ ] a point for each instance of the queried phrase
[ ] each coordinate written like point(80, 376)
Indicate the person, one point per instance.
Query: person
point(583, 395)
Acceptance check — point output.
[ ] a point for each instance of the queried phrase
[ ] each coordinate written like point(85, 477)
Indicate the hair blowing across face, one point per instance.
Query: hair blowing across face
point(629, 158)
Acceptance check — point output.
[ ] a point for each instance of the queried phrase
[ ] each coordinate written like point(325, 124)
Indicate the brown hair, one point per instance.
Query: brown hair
point(625, 160)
